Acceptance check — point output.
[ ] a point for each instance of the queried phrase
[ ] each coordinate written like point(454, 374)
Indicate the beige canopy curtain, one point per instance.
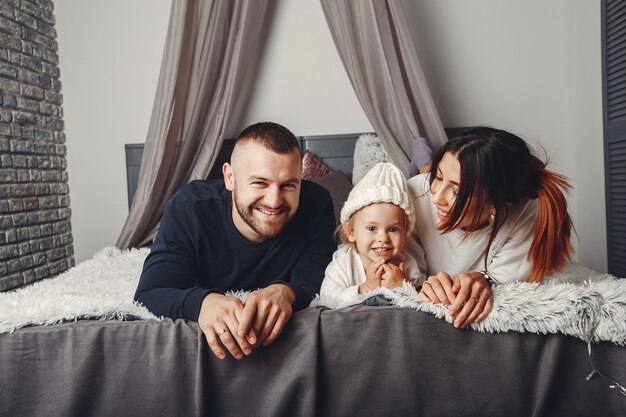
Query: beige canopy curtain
point(211, 48)
point(376, 47)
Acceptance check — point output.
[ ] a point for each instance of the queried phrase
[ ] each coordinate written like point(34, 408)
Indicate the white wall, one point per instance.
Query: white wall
point(301, 81)
point(589, 165)
point(109, 57)
point(531, 67)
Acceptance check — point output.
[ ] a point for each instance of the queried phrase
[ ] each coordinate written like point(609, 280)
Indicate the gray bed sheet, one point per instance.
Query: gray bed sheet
point(360, 361)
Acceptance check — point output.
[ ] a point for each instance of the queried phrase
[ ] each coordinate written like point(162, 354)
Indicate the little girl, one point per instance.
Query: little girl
point(376, 220)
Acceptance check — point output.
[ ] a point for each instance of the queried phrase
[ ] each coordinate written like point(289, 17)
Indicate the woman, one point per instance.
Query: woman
point(487, 213)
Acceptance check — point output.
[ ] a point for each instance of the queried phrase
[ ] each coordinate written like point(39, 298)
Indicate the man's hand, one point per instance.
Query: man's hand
point(218, 321)
point(265, 314)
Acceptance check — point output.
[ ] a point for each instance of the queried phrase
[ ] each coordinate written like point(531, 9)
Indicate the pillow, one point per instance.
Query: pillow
point(339, 187)
point(368, 151)
point(421, 155)
point(312, 167)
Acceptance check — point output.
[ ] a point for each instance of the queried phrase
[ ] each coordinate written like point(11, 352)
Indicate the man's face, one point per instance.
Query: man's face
point(266, 189)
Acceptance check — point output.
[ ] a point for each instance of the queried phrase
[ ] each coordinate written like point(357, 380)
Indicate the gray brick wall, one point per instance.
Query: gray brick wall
point(35, 233)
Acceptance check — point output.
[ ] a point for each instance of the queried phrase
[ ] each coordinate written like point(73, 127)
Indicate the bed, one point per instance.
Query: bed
point(77, 345)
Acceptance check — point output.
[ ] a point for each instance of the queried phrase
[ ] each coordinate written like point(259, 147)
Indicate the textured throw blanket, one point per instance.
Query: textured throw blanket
point(99, 288)
point(578, 301)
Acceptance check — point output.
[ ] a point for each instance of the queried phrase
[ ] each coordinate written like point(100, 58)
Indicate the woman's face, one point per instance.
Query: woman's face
point(444, 189)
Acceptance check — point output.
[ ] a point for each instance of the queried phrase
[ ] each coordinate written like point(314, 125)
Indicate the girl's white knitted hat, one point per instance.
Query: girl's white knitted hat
point(384, 183)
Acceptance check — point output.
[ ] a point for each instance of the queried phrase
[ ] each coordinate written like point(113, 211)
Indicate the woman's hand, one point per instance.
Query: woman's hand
point(438, 289)
point(474, 299)
point(392, 276)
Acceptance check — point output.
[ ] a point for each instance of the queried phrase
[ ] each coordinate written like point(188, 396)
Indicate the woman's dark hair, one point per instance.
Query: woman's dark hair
point(497, 167)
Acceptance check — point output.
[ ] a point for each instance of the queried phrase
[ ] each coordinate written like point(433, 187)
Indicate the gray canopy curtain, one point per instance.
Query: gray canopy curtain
point(376, 47)
point(211, 47)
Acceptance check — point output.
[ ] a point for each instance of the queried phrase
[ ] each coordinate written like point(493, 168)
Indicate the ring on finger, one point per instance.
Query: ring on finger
point(221, 332)
point(475, 299)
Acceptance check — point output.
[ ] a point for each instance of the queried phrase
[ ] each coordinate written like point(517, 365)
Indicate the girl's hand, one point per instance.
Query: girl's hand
point(438, 289)
point(373, 277)
point(392, 276)
point(474, 299)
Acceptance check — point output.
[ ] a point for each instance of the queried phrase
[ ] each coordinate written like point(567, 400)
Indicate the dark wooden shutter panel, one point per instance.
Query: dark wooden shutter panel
point(614, 72)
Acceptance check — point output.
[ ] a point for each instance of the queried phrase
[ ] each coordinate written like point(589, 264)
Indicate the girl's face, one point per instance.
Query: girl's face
point(378, 231)
point(444, 189)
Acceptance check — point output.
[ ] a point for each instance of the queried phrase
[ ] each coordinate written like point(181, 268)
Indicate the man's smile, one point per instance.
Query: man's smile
point(271, 212)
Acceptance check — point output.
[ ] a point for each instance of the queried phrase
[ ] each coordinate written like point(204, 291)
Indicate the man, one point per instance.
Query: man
point(261, 229)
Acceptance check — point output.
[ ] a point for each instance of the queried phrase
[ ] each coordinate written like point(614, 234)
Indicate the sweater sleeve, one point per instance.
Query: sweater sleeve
point(341, 284)
point(509, 258)
point(307, 274)
point(412, 270)
point(416, 252)
point(418, 188)
point(167, 286)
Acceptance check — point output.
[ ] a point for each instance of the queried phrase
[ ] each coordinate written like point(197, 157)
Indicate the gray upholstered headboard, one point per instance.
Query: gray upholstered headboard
point(336, 151)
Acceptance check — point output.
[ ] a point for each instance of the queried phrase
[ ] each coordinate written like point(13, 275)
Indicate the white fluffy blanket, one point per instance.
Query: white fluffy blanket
point(99, 288)
point(577, 302)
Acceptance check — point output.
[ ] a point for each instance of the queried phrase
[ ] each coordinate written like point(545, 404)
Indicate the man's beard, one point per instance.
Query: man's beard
point(263, 229)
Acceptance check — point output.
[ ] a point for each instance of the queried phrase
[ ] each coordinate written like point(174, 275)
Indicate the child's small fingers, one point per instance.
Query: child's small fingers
point(392, 267)
point(380, 271)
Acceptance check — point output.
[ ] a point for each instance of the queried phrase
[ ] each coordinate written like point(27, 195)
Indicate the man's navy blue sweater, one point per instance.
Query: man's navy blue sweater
point(198, 250)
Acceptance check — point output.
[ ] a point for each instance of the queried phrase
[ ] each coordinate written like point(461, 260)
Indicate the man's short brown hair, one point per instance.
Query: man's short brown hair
point(271, 135)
